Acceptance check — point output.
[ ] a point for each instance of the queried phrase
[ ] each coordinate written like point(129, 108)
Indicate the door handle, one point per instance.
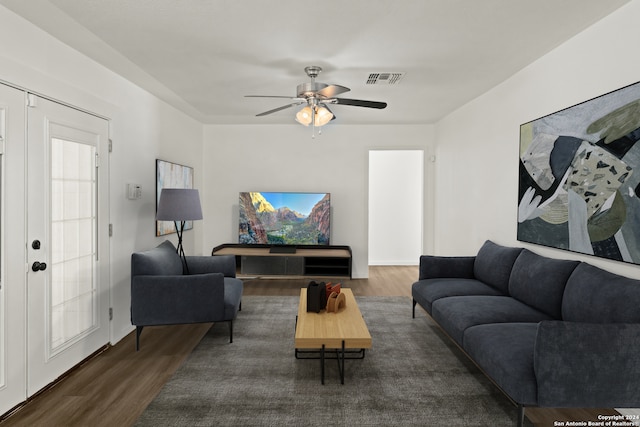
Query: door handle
point(39, 266)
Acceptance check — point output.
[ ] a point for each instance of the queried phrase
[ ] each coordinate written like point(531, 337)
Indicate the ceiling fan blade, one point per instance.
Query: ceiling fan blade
point(284, 107)
point(332, 90)
point(361, 103)
point(274, 96)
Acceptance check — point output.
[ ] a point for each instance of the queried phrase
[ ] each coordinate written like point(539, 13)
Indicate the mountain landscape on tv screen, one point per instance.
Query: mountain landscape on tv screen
point(263, 223)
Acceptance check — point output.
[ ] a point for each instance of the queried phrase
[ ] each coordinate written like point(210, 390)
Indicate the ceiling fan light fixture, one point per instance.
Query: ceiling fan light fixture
point(304, 116)
point(320, 117)
point(316, 96)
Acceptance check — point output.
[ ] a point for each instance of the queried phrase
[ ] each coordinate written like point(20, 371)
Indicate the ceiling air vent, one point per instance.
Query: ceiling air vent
point(384, 78)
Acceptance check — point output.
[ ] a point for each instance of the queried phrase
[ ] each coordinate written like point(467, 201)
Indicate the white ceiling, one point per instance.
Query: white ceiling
point(203, 56)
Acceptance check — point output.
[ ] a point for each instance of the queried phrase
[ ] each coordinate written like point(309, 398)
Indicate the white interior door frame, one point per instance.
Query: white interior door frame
point(13, 375)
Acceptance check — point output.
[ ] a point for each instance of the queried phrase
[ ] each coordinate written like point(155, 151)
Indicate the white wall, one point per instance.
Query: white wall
point(143, 128)
point(478, 145)
point(286, 158)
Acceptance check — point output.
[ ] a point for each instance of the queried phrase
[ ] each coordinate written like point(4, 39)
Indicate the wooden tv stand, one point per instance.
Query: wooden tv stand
point(307, 261)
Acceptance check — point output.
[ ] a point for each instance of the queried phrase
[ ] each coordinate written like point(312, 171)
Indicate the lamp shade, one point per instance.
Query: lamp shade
point(304, 116)
point(179, 204)
point(323, 116)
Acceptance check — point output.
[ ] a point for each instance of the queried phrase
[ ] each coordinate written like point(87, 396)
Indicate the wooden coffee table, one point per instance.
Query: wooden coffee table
point(344, 333)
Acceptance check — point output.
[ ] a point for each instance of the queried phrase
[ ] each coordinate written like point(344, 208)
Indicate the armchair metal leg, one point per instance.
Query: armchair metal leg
point(230, 331)
point(520, 415)
point(138, 332)
point(413, 315)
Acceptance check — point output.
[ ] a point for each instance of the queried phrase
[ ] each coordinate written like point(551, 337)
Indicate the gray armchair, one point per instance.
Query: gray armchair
point(162, 295)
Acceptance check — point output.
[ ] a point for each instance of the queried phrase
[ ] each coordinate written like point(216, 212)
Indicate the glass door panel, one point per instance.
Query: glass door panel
point(73, 218)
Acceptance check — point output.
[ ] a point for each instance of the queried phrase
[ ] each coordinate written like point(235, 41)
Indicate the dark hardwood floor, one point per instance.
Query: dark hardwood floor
point(114, 387)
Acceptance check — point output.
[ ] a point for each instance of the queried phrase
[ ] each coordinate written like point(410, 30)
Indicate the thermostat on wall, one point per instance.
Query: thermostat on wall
point(134, 191)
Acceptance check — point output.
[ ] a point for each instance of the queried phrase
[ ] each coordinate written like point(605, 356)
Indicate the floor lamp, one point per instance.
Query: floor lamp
point(179, 205)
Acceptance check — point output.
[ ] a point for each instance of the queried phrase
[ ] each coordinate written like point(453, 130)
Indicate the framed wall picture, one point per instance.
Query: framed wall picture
point(171, 175)
point(579, 177)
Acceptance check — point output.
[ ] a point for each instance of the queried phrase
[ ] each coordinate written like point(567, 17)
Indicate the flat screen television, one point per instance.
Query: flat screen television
point(271, 218)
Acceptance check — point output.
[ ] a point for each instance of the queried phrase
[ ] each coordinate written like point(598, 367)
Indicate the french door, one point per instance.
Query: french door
point(67, 239)
point(54, 248)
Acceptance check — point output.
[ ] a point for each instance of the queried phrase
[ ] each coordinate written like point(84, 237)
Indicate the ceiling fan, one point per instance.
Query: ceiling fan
point(317, 96)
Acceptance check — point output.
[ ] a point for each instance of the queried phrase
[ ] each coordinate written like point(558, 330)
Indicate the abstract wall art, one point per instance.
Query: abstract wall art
point(171, 175)
point(579, 177)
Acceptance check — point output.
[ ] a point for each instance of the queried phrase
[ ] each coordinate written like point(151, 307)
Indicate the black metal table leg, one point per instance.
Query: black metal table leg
point(322, 365)
point(339, 354)
point(342, 365)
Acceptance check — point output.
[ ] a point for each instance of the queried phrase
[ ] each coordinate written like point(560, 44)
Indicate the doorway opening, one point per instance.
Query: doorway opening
point(396, 206)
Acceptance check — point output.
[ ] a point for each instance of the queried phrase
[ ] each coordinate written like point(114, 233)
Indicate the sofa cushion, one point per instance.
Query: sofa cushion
point(225, 264)
point(594, 295)
point(493, 265)
point(540, 281)
point(159, 261)
point(504, 351)
point(425, 292)
point(456, 314)
point(587, 365)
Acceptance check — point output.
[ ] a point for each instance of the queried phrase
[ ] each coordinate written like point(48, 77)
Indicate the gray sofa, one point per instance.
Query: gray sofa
point(162, 295)
point(547, 332)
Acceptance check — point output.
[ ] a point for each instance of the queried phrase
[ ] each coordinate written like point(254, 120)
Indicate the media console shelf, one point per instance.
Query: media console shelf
point(307, 261)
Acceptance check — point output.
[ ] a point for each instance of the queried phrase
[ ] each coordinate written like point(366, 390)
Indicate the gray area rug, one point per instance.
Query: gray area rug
point(413, 376)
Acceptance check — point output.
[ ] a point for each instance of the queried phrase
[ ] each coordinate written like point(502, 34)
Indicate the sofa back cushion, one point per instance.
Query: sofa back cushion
point(594, 295)
point(494, 263)
point(159, 261)
point(540, 281)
